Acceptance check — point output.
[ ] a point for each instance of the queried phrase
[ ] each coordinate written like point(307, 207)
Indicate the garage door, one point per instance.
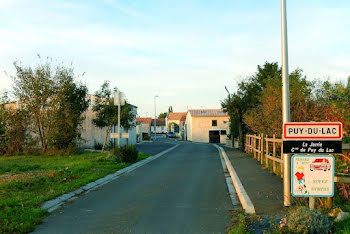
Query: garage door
point(214, 136)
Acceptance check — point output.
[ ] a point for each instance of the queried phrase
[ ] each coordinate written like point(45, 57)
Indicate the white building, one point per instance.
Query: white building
point(161, 127)
point(175, 122)
point(93, 135)
point(145, 125)
point(207, 125)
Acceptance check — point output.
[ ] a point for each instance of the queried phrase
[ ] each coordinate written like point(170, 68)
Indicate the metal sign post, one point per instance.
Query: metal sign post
point(119, 100)
point(285, 101)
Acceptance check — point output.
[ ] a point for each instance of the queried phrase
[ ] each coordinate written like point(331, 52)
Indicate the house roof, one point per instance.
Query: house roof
point(160, 122)
point(177, 116)
point(207, 113)
point(146, 120)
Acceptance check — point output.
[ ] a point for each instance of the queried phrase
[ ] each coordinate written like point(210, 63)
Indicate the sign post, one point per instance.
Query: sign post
point(285, 100)
point(312, 175)
point(119, 99)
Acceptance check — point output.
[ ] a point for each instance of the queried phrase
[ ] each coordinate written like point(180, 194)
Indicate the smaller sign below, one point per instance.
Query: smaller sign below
point(312, 131)
point(312, 175)
point(312, 147)
point(123, 135)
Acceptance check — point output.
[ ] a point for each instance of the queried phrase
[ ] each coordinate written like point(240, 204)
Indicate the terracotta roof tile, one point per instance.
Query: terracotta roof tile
point(177, 116)
point(143, 120)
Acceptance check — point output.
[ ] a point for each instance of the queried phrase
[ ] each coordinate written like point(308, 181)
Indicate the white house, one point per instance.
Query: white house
point(175, 122)
point(92, 135)
point(207, 125)
point(161, 127)
point(145, 123)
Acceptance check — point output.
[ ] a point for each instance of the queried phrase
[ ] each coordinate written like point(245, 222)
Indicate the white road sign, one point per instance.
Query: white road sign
point(312, 131)
point(123, 135)
point(312, 175)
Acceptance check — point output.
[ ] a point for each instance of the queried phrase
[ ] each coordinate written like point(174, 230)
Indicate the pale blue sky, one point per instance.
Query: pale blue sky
point(186, 51)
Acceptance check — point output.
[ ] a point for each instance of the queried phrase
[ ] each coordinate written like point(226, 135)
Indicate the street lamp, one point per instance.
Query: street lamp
point(155, 117)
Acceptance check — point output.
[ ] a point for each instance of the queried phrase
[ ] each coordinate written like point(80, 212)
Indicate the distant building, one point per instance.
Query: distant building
point(175, 122)
point(93, 135)
point(145, 124)
point(207, 125)
point(161, 127)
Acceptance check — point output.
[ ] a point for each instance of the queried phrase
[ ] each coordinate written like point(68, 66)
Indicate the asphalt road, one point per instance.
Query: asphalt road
point(183, 191)
point(153, 148)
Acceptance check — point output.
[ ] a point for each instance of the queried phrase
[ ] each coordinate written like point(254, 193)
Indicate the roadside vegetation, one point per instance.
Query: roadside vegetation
point(40, 127)
point(256, 107)
point(26, 181)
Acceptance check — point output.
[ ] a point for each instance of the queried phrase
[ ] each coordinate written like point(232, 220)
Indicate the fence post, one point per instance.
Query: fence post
point(254, 143)
point(267, 153)
point(258, 147)
point(282, 159)
point(274, 154)
point(262, 148)
point(329, 202)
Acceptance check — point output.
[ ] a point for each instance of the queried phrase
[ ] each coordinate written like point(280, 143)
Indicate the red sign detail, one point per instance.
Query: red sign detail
point(317, 124)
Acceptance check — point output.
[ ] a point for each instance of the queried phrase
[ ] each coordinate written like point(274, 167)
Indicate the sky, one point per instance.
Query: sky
point(185, 51)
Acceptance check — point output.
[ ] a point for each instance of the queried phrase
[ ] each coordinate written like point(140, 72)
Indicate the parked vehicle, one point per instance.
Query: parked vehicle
point(320, 164)
point(170, 135)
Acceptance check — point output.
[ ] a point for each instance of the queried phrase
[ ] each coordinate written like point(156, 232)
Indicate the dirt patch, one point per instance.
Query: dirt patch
point(27, 176)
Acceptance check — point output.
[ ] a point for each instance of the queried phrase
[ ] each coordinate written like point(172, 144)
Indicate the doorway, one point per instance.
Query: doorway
point(214, 136)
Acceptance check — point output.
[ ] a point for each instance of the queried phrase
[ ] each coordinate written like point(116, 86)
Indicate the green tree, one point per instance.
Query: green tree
point(266, 117)
point(69, 104)
point(162, 115)
point(247, 97)
point(334, 101)
point(107, 112)
point(53, 102)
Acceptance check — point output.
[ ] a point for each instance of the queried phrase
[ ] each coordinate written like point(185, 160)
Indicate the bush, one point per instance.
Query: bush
point(97, 145)
point(126, 153)
point(304, 220)
point(146, 138)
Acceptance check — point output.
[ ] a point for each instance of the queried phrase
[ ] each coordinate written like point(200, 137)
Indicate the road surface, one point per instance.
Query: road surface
point(183, 191)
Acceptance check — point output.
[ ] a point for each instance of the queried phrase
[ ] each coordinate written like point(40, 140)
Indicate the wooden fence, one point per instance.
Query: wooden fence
point(266, 150)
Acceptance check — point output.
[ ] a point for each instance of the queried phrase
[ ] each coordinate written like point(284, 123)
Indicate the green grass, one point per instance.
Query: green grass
point(343, 227)
point(28, 181)
point(240, 222)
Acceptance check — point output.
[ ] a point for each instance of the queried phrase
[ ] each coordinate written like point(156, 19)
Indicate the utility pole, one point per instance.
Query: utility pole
point(285, 101)
point(119, 120)
point(155, 117)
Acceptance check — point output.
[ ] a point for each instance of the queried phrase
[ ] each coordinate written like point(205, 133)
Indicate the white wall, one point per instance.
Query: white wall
point(202, 125)
point(188, 124)
point(160, 129)
point(91, 134)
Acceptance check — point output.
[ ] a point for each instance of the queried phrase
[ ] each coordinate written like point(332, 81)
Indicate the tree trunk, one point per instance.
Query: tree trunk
point(42, 136)
point(104, 143)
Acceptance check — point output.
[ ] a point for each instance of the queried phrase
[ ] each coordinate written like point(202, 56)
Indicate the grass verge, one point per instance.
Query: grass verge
point(28, 181)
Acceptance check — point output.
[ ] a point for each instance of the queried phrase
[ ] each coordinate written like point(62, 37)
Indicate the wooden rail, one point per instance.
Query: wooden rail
point(266, 150)
point(269, 150)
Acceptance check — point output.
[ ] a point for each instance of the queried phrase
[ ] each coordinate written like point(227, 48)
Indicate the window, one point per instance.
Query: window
point(214, 123)
point(223, 132)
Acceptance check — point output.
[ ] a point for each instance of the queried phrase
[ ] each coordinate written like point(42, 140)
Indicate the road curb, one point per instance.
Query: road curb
point(53, 204)
point(242, 194)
